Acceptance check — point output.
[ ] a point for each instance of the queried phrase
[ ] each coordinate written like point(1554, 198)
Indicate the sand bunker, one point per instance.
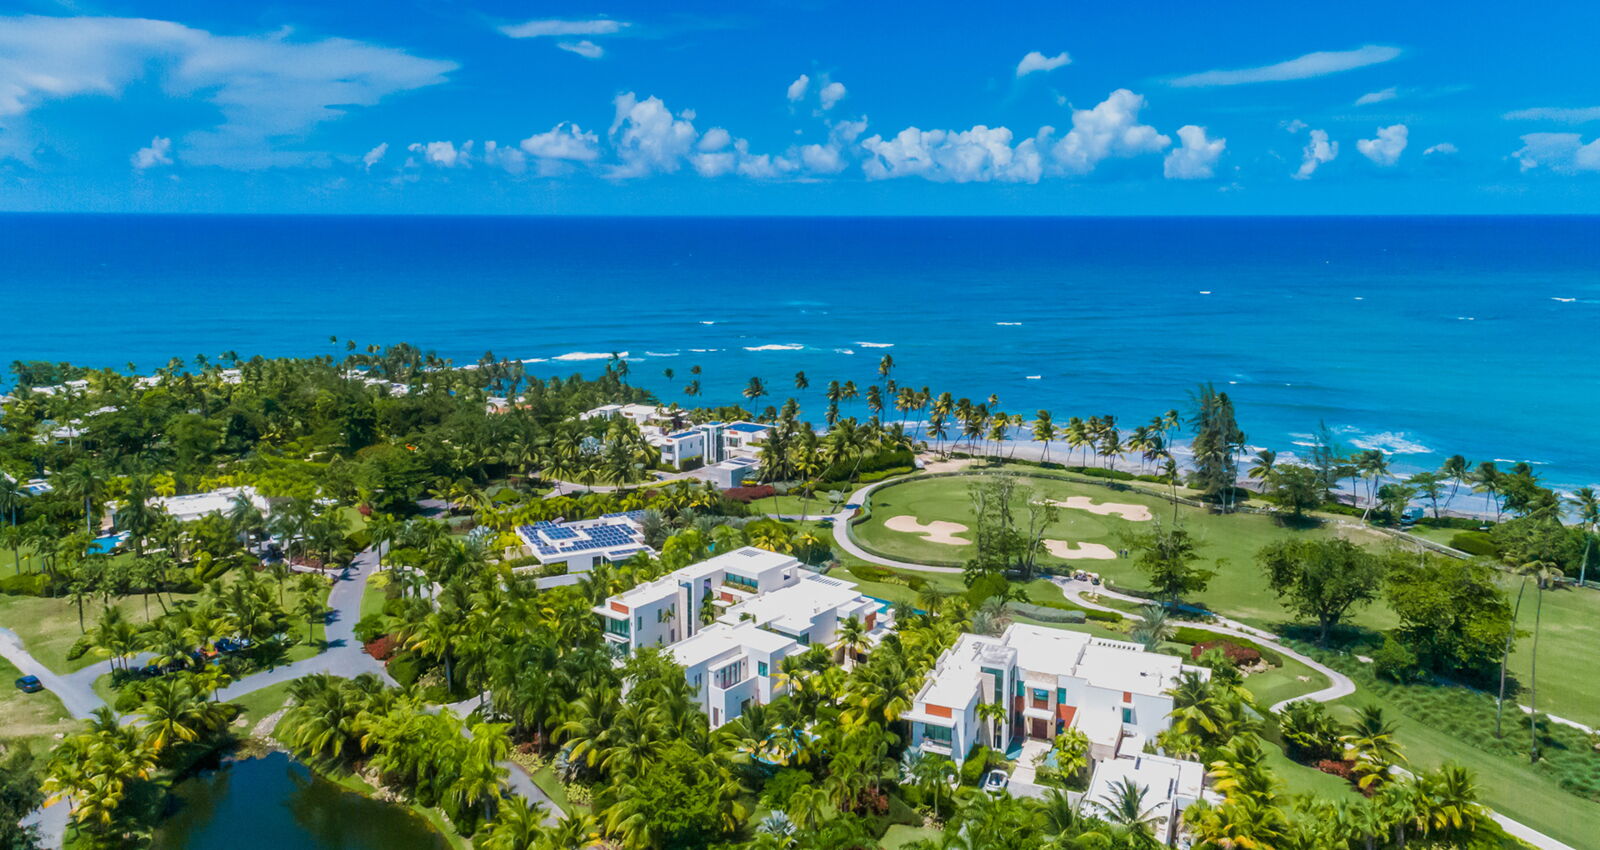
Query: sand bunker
point(1136, 513)
point(1079, 551)
point(937, 531)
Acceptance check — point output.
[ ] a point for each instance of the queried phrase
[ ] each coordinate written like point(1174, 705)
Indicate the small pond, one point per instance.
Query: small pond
point(275, 802)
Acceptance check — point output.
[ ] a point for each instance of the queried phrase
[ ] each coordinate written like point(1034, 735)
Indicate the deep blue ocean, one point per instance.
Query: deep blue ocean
point(1420, 336)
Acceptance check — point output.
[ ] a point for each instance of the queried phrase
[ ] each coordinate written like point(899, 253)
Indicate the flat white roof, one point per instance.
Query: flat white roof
point(749, 561)
point(959, 671)
point(1162, 778)
point(720, 639)
point(195, 505)
point(1133, 670)
point(796, 607)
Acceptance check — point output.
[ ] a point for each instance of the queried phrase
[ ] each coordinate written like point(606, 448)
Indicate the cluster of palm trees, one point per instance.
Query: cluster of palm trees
point(431, 756)
point(108, 769)
point(247, 611)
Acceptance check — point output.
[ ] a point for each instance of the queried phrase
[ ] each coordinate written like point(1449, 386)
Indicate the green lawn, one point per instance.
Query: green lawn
point(545, 778)
point(259, 704)
point(49, 626)
point(1568, 638)
point(793, 505)
point(1291, 680)
point(899, 835)
point(1509, 786)
point(1237, 588)
point(34, 718)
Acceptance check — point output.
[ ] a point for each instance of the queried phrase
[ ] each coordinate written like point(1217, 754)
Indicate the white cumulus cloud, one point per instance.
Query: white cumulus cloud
point(1195, 157)
point(980, 154)
point(564, 141)
point(1036, 61)
point(1110, 129)
point(1384, 150)
point(648, 138)
point(1443, 148)
point(797, 89)
point(1560, 152)
point(374, 156)
point(1380, 96)
point(1317, 151)
point(539, 28)
point(270, 90)
point(158, 153)
point(442, 154)
point(831, 94)
point(1310, 65)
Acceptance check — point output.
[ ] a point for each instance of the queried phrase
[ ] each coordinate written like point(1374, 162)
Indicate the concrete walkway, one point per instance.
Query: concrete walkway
point(841, 535)
point(78, 698)
point(1341, 686)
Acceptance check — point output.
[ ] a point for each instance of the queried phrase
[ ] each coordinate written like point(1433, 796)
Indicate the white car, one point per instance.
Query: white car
point(995, 780)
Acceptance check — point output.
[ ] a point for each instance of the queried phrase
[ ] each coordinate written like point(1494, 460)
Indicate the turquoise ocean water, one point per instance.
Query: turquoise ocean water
point(1420, 336)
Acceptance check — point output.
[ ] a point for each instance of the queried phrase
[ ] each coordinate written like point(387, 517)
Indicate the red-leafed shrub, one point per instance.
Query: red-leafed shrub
point(1242, 656)
point(382, 647)
point(749, 494)
point(1343, 769)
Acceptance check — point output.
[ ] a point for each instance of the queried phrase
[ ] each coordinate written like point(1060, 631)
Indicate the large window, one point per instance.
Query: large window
point(936, 734)
point(740, 581)
point(617, 627)
point(730, 675)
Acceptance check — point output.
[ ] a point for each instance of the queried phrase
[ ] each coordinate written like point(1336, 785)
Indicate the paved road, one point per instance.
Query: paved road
point(841, 536)
point(342, 655)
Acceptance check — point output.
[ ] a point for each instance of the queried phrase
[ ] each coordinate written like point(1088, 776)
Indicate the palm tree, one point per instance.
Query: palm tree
point(1262, 469)
point(755, 389)
point(85, 481)
point(992, 713)
point(852, 639)
point(1372, 465)
point(1123, 805)
point(1044, 430)
point(1456, 470)
point(1588, 505)
point(801, 382)
point(1371, 738)
point(1542, 572)
point(930, 773)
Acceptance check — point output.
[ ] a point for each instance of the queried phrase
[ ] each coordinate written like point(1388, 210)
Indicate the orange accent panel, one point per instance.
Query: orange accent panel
point(1066, 713)
point(1127, 696)
point(618, 606)
point(938, 710)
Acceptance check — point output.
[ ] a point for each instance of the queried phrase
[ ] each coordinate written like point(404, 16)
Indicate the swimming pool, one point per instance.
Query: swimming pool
point(104, 545)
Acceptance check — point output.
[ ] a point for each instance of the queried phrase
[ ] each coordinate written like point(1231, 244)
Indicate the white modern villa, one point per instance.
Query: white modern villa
point(580, 545)
point(761, 606)
point(1170, 785)
point(1052, 680)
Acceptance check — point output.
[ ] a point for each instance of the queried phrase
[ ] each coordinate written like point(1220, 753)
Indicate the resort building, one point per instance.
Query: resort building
point(732, 472)
point(730, 619)
point(580, 545)
point(680, 448)
point(1170, 786)
point(639, 414)
point(732, 666)
point(1049, 680)
point(220, 501)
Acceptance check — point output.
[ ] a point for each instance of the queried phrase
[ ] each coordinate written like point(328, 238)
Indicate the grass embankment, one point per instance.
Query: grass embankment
point(33, 718)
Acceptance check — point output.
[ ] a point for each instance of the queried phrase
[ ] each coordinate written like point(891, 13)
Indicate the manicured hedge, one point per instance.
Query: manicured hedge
point(1191, 636)
point(1475, 543)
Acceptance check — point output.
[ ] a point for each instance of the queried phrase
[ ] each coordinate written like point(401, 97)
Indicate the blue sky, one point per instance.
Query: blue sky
point(815, 107)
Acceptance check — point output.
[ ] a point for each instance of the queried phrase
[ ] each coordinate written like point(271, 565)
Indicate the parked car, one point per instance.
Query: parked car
point(30, 684)
point(996, 780)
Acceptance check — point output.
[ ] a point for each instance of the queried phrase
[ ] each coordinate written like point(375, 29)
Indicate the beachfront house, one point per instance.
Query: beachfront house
point(730, 620)
point(1049, 680)
point(578, 546)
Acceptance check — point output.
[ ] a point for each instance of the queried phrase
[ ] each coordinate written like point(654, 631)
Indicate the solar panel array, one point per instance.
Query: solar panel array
point(545, 536)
